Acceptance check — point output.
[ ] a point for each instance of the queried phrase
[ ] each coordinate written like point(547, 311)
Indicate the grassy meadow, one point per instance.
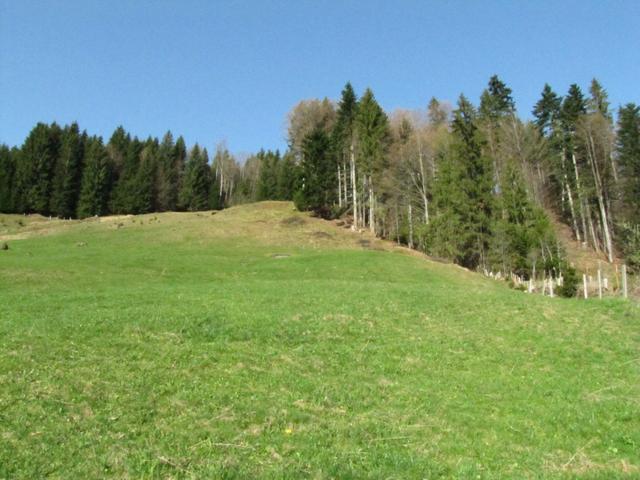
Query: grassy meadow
point(258, 342)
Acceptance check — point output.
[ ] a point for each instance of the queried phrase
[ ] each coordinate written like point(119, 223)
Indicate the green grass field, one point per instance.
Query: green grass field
point(261, 343)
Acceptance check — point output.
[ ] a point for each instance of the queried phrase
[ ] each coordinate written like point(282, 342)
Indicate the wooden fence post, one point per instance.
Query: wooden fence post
point(584, 284)
point(624, 281)
point(599, 281)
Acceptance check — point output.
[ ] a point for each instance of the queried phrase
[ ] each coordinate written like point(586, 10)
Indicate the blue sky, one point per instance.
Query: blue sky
point(231, 70)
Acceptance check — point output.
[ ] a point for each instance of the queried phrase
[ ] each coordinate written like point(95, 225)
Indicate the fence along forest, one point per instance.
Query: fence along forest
point(477, 185)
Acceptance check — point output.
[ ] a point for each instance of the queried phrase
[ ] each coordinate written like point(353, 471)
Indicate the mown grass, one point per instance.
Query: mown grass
point(192, 346)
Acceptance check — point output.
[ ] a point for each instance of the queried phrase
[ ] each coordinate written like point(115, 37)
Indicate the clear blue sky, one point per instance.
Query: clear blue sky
point(214, 70)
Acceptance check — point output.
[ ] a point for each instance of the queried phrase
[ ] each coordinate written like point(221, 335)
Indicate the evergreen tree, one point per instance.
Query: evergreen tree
point(117, 148)
point(180, 160)
point(269, 171)
point(68, 175)
point(194, 195)
point(35, 168)
point(436, 114)
point(628, 147)
point(599, 101)
point(374, 136)
point(7, 171)
point(547, 110)
point(167, 175)
point(142, 185)
point(476, 185)
point(95, 180)
point(288, 175)
point(372, 127)
point(573, 106)
point(125, 190)
point(317, 192)
point(445, 232)
point(343, 140)
point(496, 100)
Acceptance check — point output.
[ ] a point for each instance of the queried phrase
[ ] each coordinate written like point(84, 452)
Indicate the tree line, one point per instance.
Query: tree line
point(477, 185)
point(474, 184)
point(66, 173)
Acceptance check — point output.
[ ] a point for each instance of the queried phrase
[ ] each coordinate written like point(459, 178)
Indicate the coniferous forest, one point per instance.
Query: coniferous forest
point(475, 184)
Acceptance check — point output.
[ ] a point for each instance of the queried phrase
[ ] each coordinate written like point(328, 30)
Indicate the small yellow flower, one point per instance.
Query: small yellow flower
point(288, 431)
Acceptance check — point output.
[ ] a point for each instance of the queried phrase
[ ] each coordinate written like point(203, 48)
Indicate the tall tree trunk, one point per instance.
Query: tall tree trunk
point(423, 190)
point(410, 226)
point(339, 187)
point(397, 225)
point(345, 182)
point(354, 187)
point(600, 195)
point(580, 193)
point(567, 187)
point(372, 221)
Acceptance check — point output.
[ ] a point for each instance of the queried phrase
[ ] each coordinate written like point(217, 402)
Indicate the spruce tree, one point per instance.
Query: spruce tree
point(476, 185)
point(95, 180)
point(194, 195)
point(143, 197)
point(125, 189)
point(573, 105)
point(317, 192)
point(35, 168)
point(547, 110)
point(599, 100)
point(288, 175)
point(268, 180)
point(166, 175)
point(180, 160)
point(68, 175)
point(628, 148)
point(7, 170)
point(496, 100)
point(436, 114)
point(374, 136)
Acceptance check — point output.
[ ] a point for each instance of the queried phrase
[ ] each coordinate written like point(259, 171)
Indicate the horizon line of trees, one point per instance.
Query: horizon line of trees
point(476, 185)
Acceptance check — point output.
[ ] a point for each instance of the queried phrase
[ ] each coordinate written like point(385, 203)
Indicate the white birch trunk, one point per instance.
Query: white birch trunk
point(339, 187)
point(372, 221)
point(410, 227)
point(354, 193)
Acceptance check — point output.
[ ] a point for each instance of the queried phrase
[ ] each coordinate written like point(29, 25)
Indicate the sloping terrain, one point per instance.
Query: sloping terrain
point(258, 342)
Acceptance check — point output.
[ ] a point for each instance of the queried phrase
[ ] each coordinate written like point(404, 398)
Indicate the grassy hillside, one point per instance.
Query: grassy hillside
point(259, 342)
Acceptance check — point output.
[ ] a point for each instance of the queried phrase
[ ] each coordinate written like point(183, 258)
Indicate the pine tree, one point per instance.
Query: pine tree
point(95, 180)
point(68, 175)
